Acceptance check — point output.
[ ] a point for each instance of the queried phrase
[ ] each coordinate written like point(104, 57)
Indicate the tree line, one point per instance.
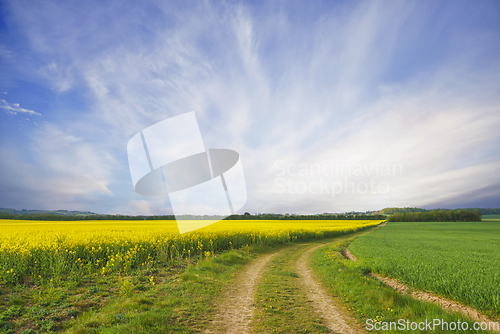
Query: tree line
point(390, 211)
point(463, 215)
point(271, 216)
point(267, 216)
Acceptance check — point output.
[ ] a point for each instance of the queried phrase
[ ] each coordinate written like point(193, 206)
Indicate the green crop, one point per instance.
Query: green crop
point(459, 260)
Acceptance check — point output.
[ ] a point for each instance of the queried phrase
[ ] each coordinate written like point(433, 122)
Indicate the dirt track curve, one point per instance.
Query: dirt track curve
point(237, 309)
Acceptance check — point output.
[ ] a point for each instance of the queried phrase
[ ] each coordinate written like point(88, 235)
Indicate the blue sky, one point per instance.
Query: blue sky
point(333, 106)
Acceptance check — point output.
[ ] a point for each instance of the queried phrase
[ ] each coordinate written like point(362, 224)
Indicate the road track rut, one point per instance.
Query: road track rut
point(335, 317)
point(236, 312)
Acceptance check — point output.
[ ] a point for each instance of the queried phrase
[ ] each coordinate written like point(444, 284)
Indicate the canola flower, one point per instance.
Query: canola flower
point(43, 249)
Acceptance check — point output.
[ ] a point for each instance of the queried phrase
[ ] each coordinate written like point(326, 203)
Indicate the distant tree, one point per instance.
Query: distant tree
point(437, 216)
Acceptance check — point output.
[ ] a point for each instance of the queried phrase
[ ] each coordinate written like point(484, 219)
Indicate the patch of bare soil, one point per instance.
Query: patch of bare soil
point(236, 311)
point(348, 255)
point(336, 319)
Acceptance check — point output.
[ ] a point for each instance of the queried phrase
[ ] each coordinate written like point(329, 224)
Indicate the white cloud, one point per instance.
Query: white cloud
point(5, 53)
point(77, 166)
point(151, 206)
point(64, 171)
point(60, 77)
point(14, 108)
point(271, 91)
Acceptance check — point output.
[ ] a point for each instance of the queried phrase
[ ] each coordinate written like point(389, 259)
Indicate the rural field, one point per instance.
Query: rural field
point(249, 167)
point(458, 260)
point(247, 276)
point(35, 250)
point(491, 217)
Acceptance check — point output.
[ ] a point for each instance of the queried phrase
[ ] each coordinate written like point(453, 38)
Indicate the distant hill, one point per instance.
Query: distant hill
point(56, 212)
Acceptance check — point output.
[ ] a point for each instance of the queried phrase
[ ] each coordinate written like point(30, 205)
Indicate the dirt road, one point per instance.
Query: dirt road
point(236, 311)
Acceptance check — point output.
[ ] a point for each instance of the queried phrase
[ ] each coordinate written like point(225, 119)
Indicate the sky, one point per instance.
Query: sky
point(333, 106)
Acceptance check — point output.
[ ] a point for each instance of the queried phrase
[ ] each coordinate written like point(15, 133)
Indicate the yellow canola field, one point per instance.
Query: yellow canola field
point(42, 249)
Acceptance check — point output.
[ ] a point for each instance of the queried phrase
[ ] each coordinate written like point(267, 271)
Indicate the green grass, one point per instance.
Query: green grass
point(457, 260)
point(281, 305)
point(281, 302)
point(182, 303)
point(178, 298)
point(367, 298)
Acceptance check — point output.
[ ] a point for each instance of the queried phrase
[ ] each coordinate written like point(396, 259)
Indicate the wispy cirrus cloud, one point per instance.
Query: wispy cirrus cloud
point(14, 108)
point(60, 78)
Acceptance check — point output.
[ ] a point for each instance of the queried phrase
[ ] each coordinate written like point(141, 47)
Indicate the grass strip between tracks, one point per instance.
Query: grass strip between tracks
point(282, 306)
